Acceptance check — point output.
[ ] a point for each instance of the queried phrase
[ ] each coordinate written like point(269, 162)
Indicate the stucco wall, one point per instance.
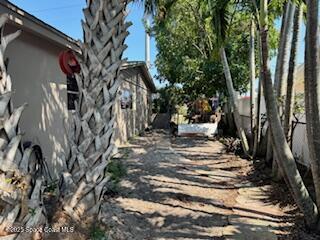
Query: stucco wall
point(131, 122)
point(38, 80)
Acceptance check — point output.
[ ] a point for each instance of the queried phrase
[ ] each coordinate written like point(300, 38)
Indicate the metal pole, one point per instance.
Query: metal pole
point(147, 43)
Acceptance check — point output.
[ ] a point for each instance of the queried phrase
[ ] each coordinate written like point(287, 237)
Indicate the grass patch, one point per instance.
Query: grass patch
point(117, 170)
point(96, 233)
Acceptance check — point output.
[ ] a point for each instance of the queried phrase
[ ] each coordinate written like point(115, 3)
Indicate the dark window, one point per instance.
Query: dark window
point(73, 92)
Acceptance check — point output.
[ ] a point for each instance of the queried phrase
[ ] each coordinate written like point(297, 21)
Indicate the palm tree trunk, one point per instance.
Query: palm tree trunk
point(284, 155)
point(282, 64)
point(252, 80)
point(232, 99)
point(280, 73)
point(91, 135)
point(257, 130)
point(312, 92)
point(252, 75)
point(20, 191)
point(284, 49)
point(289, 104)
point(269, 154)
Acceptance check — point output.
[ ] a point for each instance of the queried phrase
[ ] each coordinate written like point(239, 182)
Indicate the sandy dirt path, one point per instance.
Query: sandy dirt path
point(188, 189)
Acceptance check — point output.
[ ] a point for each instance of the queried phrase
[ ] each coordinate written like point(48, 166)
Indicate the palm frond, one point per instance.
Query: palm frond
point(220, 18)
point(156, 7)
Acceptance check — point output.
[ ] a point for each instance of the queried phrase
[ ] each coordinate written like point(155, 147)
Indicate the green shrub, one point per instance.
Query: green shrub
point(116, 169)
point(96, 233)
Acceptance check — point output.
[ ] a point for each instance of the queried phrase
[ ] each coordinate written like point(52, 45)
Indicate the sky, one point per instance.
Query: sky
point(300, 52)
point(66, 16)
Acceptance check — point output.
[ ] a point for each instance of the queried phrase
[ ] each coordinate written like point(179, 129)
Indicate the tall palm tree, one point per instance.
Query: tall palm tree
point(220, 20)
point(282, 65)
point(20, 188)
point(233, 101)
point(284, 155)
point(289, 103)
point(284, 49)
point(257, 130)
point(255, 101)
point(312, 91)
point(91, 134)
point(252, 67)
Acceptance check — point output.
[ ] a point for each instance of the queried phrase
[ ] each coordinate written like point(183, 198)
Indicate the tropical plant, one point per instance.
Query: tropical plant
point(186, 54)
point(20, 187)
point(257, 115)
point(281, 63)
point(284, 49)
point(284, 155)
point(220, 21)
point(281, 71)
point(290, 97)
point(91, 133)
point(252, 66)
point(90, 136)
point(169, 97)
point(312, 91)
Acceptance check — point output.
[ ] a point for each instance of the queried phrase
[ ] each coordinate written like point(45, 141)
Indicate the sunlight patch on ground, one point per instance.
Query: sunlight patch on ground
point(144, 207)
point(128, 184)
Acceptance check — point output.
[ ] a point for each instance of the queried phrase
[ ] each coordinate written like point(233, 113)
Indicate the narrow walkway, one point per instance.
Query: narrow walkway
point(188, 189)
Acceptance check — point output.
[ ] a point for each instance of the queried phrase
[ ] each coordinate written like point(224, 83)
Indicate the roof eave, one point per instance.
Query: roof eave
point(142, 65)
point(24, 20)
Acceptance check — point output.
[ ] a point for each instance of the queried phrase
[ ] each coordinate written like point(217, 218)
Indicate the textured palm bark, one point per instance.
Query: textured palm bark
point(252, 65)
point(279, 71)
point(312, 92)
point(257, 129)
point(282, 64)
point(289, 103)
point(232, 100)
point(284, 49)
point(20, 191)
point(284, 155)
point(91, 133)
point(269, 153)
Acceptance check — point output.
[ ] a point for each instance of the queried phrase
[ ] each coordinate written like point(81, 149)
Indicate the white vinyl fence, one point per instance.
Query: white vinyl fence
point(298, 143)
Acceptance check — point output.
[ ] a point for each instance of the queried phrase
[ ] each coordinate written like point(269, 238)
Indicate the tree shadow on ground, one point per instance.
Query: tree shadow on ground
point(177, 196)
point(279, 194)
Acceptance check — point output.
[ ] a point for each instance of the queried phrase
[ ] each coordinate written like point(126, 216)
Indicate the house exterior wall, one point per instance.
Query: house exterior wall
point(38, 81)
point(132, 121)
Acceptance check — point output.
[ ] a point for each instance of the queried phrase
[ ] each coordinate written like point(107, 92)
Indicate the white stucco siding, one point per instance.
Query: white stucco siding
point(38, 81)
point(132, 121)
